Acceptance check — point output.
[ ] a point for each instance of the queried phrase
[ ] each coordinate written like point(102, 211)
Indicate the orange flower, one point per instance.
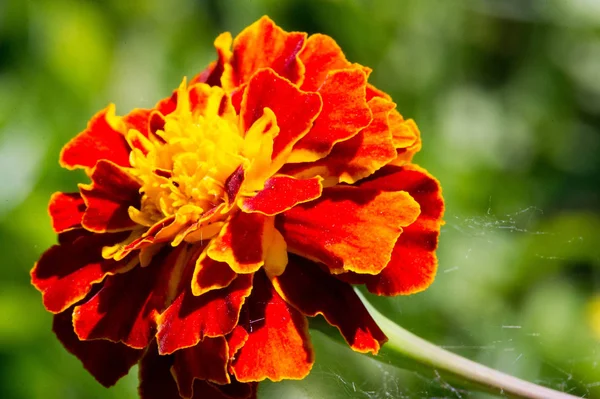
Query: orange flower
point(217, 221)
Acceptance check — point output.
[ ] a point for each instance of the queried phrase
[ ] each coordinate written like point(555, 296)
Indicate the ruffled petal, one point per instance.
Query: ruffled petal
point(348, 228)
point(66, 211)
point(294, 109)
point(358, 157)
point(278, 345)
point(313, 292)
point(126, 307)
point(106, 361)
point(414, 263)
point(207, 360)
point(212, 74)
point(66, 272)
point(156, 381)
point(345, 112)
point(407, 138)
point(320, 56)
point(102, 139)
point(243, 242)
point(191, 318)
point(211, 275)
point(108, 199)
point(264, 45)
point(282, 193)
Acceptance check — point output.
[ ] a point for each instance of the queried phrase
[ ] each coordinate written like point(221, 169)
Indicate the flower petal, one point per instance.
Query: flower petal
point(106, 361)
point(348, 228)
point(212, 74)
point(320, 56)
point(295, 110)
point(414, 263)
point(108, 199)
point(282, 193)
point(313, 292)
point(345, 112)
point(243, 242)
point(357, 157)
point(126, 307)
point(207, 360)
point(156, 381)
point(65, 273)
point(102, 139)
point(191, 318)
point(407, 138)
point(210, 275)
point(264, 45)
point(278, 345)
point(66, 211)
point(138, 119)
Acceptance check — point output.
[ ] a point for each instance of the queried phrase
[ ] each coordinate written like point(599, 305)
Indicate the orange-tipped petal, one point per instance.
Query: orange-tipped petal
point(66, 211)
point(282, 193)
point(358, 157)
point(106, 361)
point(126, 307)
point(320, 56)
point(102, 139)
point(207, 360)
point(264, 45)
point(313, 292)
point(414, 263)
point(294, 109)
point(65, 273)
point(243, 242)
point(348, 228)
point(278, 345)
point(345, 112)
point(191, 318)
point(108, 199)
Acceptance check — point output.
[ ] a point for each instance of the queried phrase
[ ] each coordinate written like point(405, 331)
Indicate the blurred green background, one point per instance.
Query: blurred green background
point(507, 96)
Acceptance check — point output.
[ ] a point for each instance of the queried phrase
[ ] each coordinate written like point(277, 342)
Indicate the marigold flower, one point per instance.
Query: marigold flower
point(217, 221)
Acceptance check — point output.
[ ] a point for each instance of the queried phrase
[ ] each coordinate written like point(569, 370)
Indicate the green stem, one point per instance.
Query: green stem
point(417, 349)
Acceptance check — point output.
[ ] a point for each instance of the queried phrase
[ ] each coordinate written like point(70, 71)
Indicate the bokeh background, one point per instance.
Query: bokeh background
point(507, 96)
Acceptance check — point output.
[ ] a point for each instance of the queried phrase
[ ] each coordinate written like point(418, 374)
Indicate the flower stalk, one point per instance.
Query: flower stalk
point(410, 347)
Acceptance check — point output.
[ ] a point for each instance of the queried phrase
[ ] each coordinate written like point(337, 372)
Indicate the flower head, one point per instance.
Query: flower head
point(216, 222)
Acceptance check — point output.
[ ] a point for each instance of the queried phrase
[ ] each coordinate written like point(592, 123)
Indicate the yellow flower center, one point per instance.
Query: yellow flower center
point(183, 168)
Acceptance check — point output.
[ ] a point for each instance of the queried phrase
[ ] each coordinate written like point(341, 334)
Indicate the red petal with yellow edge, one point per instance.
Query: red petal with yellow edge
point(313, 292)
point(211, 275)
point(320, 56)
point(414, 263)
point(345, 112)
point(212, 74)
point(238, 337)
point(373, 91)
point(358, 157)
point(278, 345)
point(66, 211)
point(207, 360)
point(191, 318)
point(106, 361)
point(348, 228)
point(264, 45)
point(126, 307)
point(242, 242)
point(156, 381)
point(295, 110)
point(108, 198)
point(138, 119)
point(65, 273)
point(103, 139)
point(281, 193)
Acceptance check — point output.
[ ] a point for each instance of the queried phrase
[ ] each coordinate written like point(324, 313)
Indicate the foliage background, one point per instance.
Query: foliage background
point(506, 93)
